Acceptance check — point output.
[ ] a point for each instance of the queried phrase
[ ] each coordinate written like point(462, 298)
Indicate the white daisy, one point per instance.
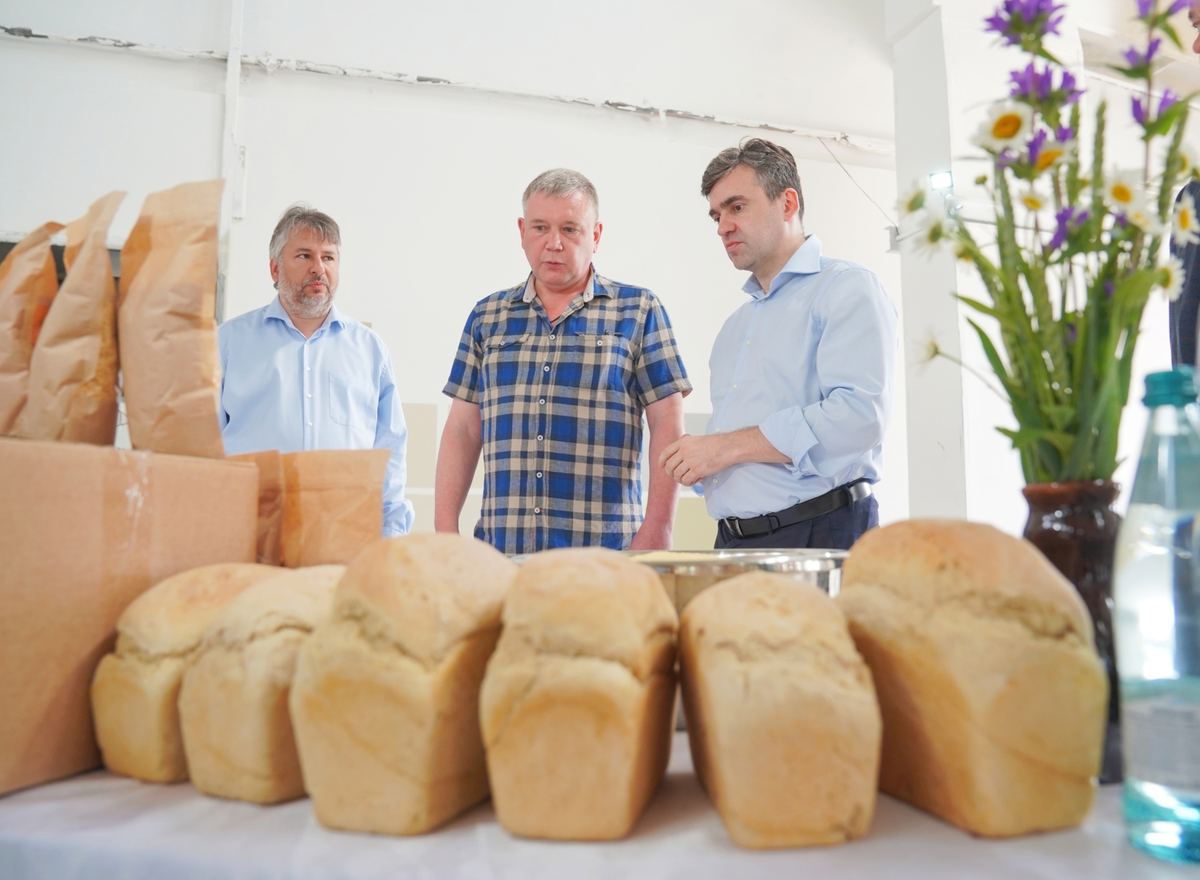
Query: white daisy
point(1170, 278)
point(1034, 200)
point(1189, 165)
point(1144, 219)
point(1007, 125)
point(931, 231)
point(1123, 192)
point(1185, 228)
point(912, 200)
point(1053, 153)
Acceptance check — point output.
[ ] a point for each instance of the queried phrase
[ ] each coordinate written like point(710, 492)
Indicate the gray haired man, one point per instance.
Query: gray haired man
point(298, 374)
point(550, 381)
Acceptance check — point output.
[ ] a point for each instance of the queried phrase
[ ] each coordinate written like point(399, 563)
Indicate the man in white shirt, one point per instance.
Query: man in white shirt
point(803, 375)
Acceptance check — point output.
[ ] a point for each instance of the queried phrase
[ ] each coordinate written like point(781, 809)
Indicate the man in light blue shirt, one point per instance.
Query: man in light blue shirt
point(803, 375)
point(297, 374)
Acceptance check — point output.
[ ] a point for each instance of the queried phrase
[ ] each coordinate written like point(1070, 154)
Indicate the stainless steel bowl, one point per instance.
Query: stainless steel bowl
point(685, 573)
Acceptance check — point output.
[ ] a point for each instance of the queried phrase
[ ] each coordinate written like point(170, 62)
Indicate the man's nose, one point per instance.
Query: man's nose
point(724, 226)
point(554, 242)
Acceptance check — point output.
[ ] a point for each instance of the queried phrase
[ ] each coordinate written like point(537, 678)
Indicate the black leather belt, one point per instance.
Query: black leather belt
point(835, 499)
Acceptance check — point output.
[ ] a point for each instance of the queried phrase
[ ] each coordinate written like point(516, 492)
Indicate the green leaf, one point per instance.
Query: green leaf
point(1060, 440)
point(1167, 28)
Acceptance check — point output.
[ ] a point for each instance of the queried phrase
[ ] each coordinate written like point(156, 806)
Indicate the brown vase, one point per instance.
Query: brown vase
point(1074, 525)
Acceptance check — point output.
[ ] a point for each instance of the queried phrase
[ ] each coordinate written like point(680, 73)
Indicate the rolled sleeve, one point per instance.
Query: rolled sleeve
point(856, 365)
point(659, 369)
point(463, 383)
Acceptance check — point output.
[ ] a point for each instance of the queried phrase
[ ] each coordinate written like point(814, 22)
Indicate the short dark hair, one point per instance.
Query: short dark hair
point(302, 216)
point(774, 166)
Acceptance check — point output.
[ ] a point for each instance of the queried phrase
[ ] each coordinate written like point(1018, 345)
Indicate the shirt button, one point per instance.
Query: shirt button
point(539, 475)
point(735, 385)
point(542, 401)
point(551, 335)
point(310, 424)
point(715, 480)
point(599, 341)
point(539, 435)
point(537, 510)
point(310, 397)
point(309, 369)
point(546, 369)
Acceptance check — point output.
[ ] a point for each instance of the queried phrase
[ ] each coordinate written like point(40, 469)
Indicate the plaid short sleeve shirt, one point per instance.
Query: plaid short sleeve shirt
point(561, 408)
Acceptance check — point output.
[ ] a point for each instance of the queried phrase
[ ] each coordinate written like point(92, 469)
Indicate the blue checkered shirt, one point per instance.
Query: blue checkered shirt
point(562, 408)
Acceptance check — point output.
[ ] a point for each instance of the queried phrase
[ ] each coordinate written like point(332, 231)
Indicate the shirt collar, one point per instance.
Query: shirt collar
point(805, 261)
point(527, 293)
point(275, 310)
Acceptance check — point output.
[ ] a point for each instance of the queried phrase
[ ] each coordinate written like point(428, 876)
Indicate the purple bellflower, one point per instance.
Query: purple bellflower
point(1068, 219)
point(1018, 20)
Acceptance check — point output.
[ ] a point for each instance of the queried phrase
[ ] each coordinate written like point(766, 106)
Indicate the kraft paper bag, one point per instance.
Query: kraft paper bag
point(332, 505)
point(28, 284)
point(73, 368)
point(270, 502)
point(170, 367)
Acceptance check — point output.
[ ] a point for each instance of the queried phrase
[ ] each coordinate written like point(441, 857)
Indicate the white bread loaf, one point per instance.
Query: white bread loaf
point(782, 717)
point(385, 702)
point(233, 705)
point(578, 699)
point(992, 694)
point(136, 688)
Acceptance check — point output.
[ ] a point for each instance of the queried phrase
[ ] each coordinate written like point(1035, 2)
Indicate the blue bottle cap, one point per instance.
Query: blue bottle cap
point(1175, 387)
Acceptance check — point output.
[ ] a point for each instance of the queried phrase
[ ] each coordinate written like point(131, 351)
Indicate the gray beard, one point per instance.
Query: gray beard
point(305, 306)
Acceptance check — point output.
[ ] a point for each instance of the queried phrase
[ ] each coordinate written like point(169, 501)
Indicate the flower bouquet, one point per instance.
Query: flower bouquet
point(1077, 250)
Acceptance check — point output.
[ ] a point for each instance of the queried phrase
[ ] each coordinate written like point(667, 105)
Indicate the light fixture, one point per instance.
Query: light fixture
point(942, 181)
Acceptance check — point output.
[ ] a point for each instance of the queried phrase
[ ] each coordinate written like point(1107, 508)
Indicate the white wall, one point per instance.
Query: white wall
point(426, 180)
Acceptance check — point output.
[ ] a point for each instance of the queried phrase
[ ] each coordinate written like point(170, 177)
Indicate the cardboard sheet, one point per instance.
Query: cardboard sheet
point(333, 504)
point(83, 531)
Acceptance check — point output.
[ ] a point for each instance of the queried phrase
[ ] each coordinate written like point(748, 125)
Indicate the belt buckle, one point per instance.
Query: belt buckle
point(735, 526)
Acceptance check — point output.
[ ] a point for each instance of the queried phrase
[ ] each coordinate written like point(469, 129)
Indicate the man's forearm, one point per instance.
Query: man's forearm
point(665, 420)
point(458, 456)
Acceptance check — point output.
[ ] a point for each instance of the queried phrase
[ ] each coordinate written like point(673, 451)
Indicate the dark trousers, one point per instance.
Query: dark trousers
point(836, 530)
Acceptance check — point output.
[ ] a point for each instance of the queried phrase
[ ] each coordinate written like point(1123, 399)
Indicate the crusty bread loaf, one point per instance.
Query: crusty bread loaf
point(782, 717)
point(992, 694)
point(233, 705)
point(578, 699)
point(136, 688)
point(385, 701)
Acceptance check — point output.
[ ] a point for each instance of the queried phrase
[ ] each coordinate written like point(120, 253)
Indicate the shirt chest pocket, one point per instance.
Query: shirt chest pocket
point(507, 361)
point(352, 403)
point(602, 361)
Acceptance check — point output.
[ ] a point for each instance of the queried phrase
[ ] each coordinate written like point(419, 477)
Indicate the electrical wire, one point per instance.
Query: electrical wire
point(856, 183)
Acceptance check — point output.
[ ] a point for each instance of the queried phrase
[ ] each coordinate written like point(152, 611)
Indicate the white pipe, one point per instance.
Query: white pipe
point(270, 64)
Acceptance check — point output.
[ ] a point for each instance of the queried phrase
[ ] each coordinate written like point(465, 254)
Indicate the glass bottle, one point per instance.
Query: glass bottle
point(1157, 598)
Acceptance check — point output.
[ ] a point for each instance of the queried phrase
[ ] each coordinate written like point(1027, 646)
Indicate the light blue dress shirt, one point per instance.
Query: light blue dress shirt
point(334, 390)
point(812, 363)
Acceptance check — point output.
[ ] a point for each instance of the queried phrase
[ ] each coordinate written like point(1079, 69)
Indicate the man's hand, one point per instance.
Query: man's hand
point(690, 459)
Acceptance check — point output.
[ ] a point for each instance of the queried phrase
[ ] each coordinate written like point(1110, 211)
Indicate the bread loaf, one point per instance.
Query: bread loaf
point(992, 694)
point(136, 688)
point(782, 717)
point(578, 699)
point(385, 701)
point(233, 705)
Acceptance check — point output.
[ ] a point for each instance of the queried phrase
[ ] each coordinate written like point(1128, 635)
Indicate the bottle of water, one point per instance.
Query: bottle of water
point(1157, 596)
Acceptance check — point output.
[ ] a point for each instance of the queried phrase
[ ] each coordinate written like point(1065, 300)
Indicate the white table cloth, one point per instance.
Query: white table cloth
point(102, 827)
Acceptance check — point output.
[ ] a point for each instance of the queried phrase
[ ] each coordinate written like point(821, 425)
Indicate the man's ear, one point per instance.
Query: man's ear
point(791, 204)
point(596, 236)
point(274, 271)
point(521, 228)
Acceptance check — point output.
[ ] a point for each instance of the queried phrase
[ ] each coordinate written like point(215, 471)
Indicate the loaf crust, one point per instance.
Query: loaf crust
point(782, 716)
point(135, 690)
point(993, 696)
point(233, 704)
point(385, 702)
point(578, 699)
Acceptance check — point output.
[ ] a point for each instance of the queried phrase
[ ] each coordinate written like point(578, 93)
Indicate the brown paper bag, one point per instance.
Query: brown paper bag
point(332, 504)
point(73, 368)
point(170, 368)
point(270, 502)
point(28, 283)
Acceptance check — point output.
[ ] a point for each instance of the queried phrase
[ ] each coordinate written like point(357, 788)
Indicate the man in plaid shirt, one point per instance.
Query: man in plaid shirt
point(550, 381)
